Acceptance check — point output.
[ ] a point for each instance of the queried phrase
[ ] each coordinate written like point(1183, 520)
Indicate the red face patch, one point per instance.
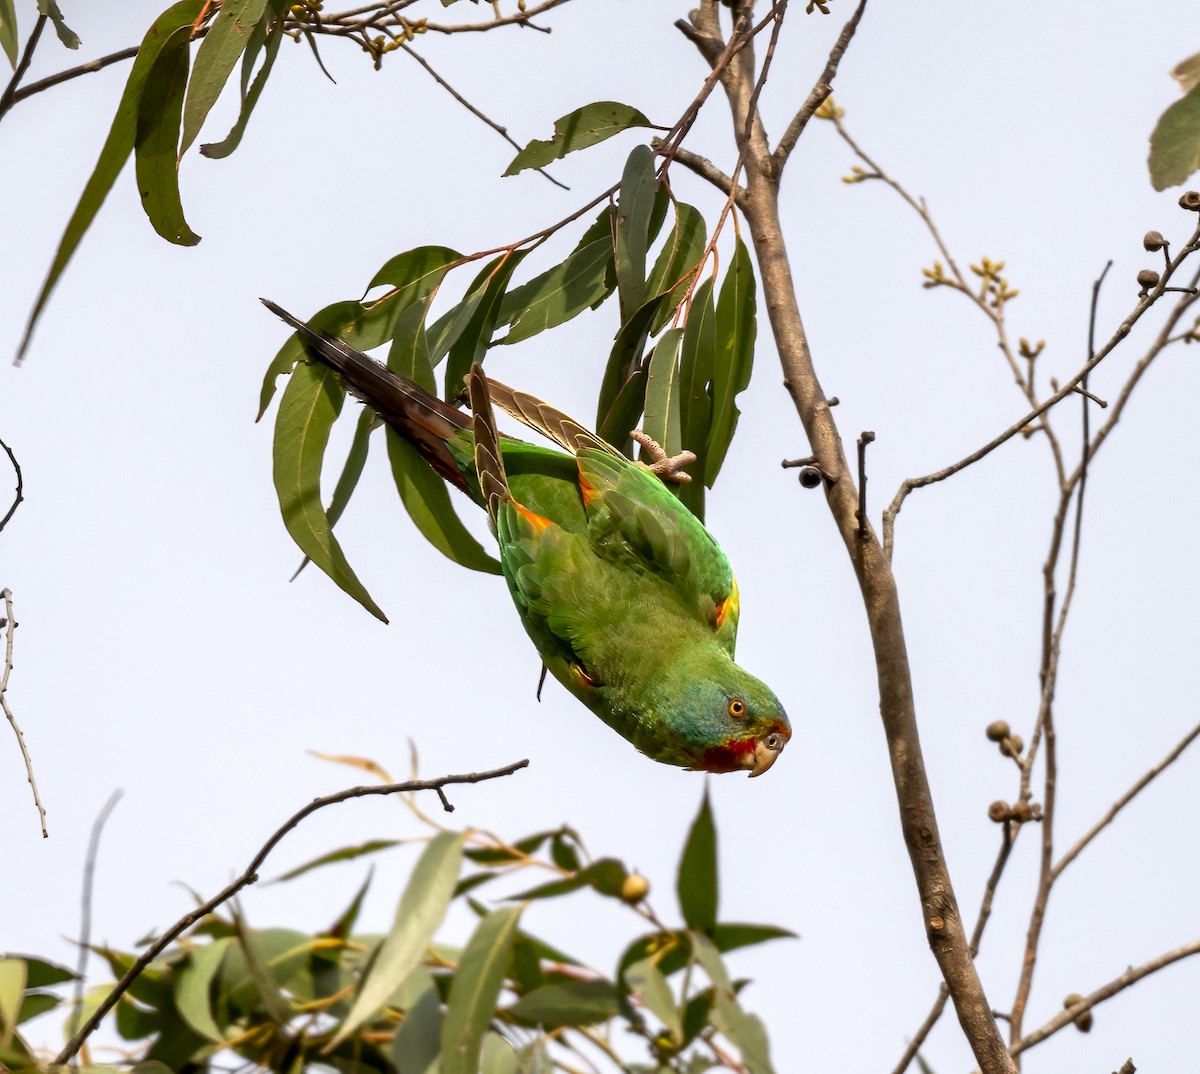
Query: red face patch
point(730, 757)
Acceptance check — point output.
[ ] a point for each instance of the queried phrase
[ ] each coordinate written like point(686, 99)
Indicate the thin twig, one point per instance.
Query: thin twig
point(1123, 801)
point(10, 626)
point(20, 494)
point(1129, 977)
point(85, 907)
point(820, 91)
point(502, 131)
point(74, 72)
point(6, 98)
point(250, 876)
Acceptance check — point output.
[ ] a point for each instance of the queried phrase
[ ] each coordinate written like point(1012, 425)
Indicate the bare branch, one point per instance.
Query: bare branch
point(85, 910)
point(1129, 977)
point(250, 876)
point(20, 493)
point(820, 91)
point(74, 72)
point(706, 169)
point(10, 626)
point(7, 98)
point(502, 131)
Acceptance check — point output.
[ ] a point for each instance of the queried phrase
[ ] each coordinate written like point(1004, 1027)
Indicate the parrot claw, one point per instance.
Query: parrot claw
point(665, 467)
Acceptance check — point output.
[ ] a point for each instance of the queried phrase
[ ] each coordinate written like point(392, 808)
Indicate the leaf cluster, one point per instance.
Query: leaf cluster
point(506, 1002)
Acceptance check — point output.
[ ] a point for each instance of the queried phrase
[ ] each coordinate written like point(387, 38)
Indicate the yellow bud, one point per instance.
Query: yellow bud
point(634, 888)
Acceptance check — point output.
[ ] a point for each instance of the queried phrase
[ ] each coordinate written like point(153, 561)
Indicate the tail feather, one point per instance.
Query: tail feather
point(545, 419)
point(418, 416)
point(489, 464)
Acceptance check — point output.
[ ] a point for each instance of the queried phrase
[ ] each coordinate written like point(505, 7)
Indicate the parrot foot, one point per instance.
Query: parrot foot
point(665, 467)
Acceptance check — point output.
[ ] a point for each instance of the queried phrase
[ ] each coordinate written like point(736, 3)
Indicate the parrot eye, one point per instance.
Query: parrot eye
point(737, 707)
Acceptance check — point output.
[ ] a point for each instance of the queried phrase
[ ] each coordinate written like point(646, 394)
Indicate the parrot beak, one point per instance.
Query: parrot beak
point(766, 749)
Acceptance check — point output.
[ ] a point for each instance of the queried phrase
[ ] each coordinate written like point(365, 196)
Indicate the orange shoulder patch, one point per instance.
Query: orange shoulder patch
point(727, 607)
point(536, 521)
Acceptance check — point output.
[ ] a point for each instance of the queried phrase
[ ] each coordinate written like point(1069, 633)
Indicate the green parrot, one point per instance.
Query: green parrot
point(627, 597)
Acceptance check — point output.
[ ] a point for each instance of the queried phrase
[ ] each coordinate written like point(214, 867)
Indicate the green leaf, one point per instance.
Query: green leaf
point(567, 1003)
point(8, 31)
point(697, 883)
point(42, 974)
point(418, 1040)
point(421, 910)
point(1175, 142)
point(646, 980)
point(613, 423)
point(66, 35)
point(736, 329)
point(476, 337)
point(344, 925)
point(372, 846)
point(584, 127)
point(677, 262)
point(35, 1003)
point(415, 273)
point(226, 40)
point(311, 402)
point(477, 983)
point(117, 147)
point(662, 392)
point(262, 40)
point(697, 359)
point(356, 460)
point(156, 148)
point(559, 294)
point(635, 205)
point(1187, 73)
point(498, 1056)
point(259, 965)
point(744, 1030)
point(193, 987)
point(12, 992)
point(605, 875)
point(729, 937)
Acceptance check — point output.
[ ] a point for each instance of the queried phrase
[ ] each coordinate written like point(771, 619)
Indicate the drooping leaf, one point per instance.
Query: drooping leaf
point(371, 846)
point(356, 460)
point(117, 147)
point(663, 384)
point(228, 35)
point(66, 35)
point(36, 1003)
point(476, 336)
point(677, 262)
point(156, 147)
point(1175, 142)
point(266, 38)
point(346, 920)
point(567, 1003)
point(646, 980)
point(477, 983)
point(415, 273)
point(605, 875)
point(193, 987)
point(635, 205)
point(8, 31)
point(421, 910)
point(12, 991)
point(559, 294)
point(311, 402)
point(743, 1029)
point(42, 974)
point(498, 1055)
point(614, 423)
point(697, 357)
point(735, 328)
point(259, 965)
point(584, 127)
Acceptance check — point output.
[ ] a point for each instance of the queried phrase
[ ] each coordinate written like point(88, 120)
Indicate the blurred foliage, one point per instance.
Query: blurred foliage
point(1175, 141)
point(282, 1000)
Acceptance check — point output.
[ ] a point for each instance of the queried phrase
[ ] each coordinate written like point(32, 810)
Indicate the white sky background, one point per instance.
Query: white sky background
point(162, 650)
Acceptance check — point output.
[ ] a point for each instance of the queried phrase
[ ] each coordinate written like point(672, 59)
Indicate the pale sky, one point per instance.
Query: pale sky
point(163, 651)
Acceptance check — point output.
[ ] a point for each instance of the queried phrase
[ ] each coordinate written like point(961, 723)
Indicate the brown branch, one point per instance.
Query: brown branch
point(707, 170)
point(820, 91)
point(74, 72)
point(1130, 977)
point(250, 875)
point(1123, 801)
point(20, 492)
point(502, 131)
point(10, 91)
point(10, 626)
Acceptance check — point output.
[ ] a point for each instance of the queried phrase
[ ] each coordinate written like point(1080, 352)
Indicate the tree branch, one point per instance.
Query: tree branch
point(20, 493)
point(10, 91)
point(251, 875)
point(820, 91)
point(74, 72)
point(10, 625)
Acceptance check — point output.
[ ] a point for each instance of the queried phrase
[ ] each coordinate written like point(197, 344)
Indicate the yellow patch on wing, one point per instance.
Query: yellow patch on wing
point(729, 606)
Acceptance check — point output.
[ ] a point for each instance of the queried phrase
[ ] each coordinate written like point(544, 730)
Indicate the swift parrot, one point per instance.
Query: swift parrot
point(628, 599)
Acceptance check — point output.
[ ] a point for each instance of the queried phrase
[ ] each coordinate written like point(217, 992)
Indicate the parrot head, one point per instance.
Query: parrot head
point(726, 719)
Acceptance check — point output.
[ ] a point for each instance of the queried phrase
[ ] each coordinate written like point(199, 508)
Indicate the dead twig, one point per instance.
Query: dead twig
point(10, 626)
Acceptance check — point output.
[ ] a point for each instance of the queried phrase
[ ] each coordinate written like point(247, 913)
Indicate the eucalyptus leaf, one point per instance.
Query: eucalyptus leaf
point(1175, 142)
point(635, 206)
point(735, 327)
point(586, 126)
point(567, 1003)
point(193, 987)
point(266, 38)
point(8, 31)
point(697, 882)
point(663, 386)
